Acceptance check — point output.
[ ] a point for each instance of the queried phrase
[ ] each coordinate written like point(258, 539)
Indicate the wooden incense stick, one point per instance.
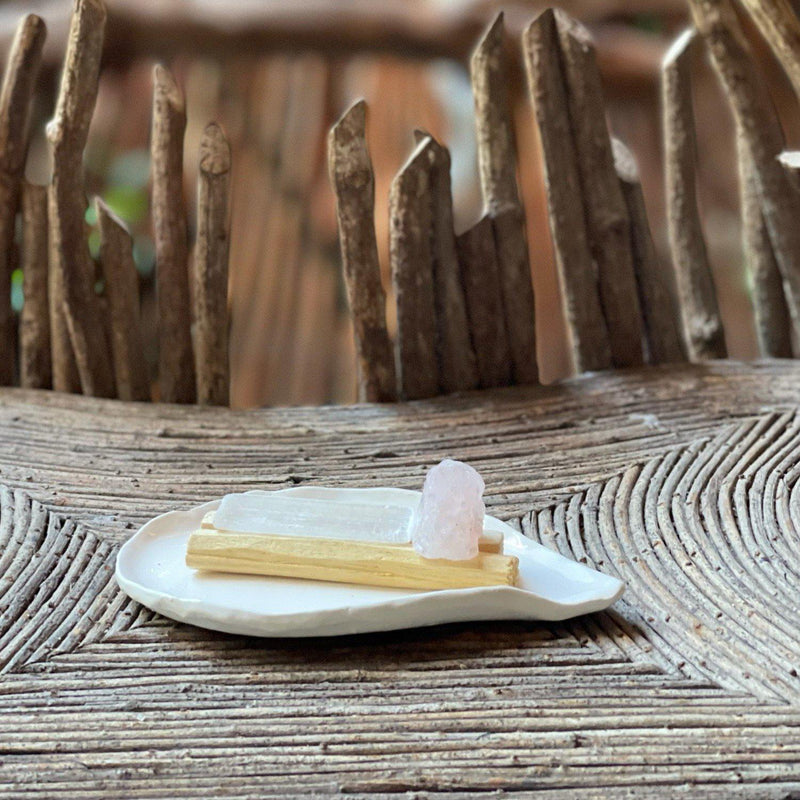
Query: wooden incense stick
point(342, 561)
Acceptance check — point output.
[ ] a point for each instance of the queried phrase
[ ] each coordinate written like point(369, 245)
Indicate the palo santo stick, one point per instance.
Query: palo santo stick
point(370, 563)
point(490, 541)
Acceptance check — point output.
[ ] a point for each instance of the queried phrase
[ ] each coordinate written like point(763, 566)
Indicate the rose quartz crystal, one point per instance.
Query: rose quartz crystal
point(449, 519)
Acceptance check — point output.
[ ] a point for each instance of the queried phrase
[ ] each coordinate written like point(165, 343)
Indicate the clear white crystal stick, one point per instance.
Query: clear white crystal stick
point(290, 515)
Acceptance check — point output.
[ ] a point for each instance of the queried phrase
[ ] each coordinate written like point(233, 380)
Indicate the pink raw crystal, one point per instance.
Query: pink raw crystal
point(449, 519)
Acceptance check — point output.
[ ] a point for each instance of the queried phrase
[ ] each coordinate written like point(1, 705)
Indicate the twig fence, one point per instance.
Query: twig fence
point(71, 339)
point(623, 308)
point(465, 303)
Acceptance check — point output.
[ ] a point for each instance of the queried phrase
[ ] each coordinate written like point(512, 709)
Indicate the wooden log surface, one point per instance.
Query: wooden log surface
point(675, 478)
point(703, 334)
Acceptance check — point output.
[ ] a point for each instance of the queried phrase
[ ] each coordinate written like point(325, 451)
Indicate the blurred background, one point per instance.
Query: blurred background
point(277, 73)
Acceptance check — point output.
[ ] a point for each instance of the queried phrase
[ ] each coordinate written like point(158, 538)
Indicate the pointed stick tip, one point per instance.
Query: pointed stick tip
point(165, 85)
point(107, 217)
point(352, 124)
point(492, 39)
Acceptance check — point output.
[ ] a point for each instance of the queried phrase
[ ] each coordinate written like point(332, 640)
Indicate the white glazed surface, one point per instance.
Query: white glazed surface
point(151, 568)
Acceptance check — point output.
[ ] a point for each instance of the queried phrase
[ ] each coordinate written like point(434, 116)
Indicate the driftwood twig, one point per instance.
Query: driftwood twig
point(175, 358)
point(773, 326)
point(577, 273)
point(19, 83)
point(35, 361)
point(458, 369)
point(479, 270)
point(67, 133)
point(412, 276)
point(497, 160)
point(211, 269)
point(122, 291)
point(702, 326)
point(607, 222)
point(656, 295)
point(353, 181)
point(759, 126)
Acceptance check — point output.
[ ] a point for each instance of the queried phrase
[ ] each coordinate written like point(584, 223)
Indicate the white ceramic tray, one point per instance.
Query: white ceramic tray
point(152, 570)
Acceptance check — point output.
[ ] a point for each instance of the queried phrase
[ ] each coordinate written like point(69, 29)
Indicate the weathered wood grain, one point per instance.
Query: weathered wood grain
point(176, 376)
point(773, 325)
point(656, 291)
point(587, 330)
point(67, 133)
point(122, 291)
point(210, 296)
point(607, 221)
point(497, 161)
point(458, 369)
point(758, 124)
point(16, 95)
point(703, 333)
point(35, 366)
point(353, 182)
point(477, 256)
point(65, 369)
point(688, 686)
point(412, 276)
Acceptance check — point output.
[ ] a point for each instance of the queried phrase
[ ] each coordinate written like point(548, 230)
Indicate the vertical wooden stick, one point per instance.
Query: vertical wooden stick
point(64, 365)
point(702, 326)
point(498, 170)
point(773, 326)
point(479, 270)
point(353, 182)
point(607, 220)
point(577, 272)
point(122, 291)
point(19, 83)
point(780, 26)
point(176, 360)
point(458, 369)
point(35, 361)
point(760, 128)
point(656, 297)
point(67, 133)
point(412, 276)
point(211, 268)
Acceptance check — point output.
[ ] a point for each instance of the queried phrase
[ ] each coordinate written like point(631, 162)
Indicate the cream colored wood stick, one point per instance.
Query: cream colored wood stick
point(341, 561)
point(490, 541)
